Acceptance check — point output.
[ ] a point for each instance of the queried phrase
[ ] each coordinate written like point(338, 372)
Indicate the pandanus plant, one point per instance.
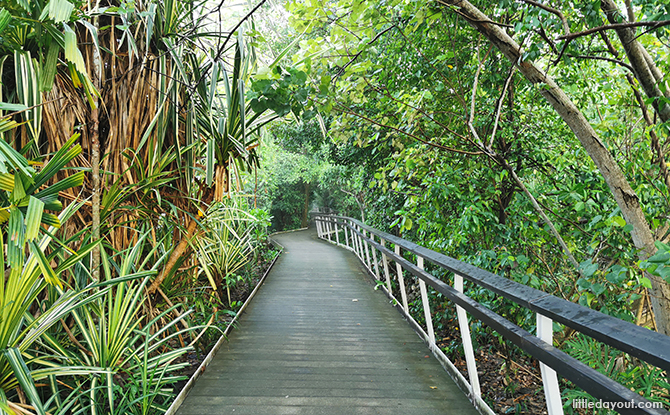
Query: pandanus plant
point(29, 228)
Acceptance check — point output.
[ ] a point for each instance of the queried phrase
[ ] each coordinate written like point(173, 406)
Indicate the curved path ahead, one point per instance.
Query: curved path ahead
point(318, 339)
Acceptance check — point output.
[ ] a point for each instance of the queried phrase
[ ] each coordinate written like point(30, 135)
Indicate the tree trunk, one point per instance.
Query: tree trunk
point(644, 68)
point(95, 198)
point(305, 210)
point(626, 198)
point(176, 254)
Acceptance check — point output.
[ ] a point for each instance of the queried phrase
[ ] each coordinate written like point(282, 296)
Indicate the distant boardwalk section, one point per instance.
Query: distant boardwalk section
point(318, 339)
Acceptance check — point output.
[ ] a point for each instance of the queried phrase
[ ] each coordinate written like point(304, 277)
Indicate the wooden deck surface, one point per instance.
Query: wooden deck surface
point(318, 339)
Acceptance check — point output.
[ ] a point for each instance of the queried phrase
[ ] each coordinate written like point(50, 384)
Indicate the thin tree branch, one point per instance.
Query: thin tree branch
point(472, 102)
point(385, 92)
point(653, 25)
point(352, 60)
point(234, 29)
point(470, 19)
point(543, 215)
point(629, 10)
point(566, 26)
point(601, 58)
point(499, 109)
point(343, 109)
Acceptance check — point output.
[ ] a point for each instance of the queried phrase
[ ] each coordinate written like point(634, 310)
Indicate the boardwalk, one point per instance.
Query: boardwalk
point(318, 339)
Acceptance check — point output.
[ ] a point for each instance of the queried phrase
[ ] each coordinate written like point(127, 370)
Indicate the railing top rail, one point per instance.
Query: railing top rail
point(637, 341)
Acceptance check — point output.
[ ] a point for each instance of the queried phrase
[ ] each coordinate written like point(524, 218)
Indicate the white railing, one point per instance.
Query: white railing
point(370, 245)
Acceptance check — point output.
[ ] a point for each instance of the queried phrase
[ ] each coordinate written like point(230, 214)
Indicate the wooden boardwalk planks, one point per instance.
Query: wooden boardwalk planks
point(317, 339)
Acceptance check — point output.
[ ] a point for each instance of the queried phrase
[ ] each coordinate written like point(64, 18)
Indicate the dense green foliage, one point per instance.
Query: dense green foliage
point(460, 153)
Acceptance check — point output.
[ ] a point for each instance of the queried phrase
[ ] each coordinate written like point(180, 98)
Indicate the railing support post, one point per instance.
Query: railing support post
point(367, 251)
point(328, 230)
point(386, 269)
point(552, 393)
point(464, 327)
point(374, 258)
point(359, 243)
point(337, 232)
point(426, 305)
point(346, 234)
point(401, 282)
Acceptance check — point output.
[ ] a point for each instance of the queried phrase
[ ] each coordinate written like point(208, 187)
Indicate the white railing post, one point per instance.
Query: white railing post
point(367, 251)
point(426, 304)
point(359, 243)
point(552, 393)
point(374, 258)
point(464, 327)
point(386, 269)
point(329, 228)
point(337, 232)
point(401, 281)
point(346, 234)
point(319, 227)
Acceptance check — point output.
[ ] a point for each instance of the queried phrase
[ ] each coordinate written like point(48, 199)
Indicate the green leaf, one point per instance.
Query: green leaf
point(25, 4)
point(5, 18)
point(645, 282)
point(618, 275)
point(58, 10)
point(23, 376)
point(49, 67)
point(14, 159)
point(63, 156)
point(6, 106)
point(597, 288)
point(588, 268)
point(49, 275)
point(33, 218)
point(19, 191)
point(663, 271)
point(72, 52)
point(50, 219)
point(71, 181)
point(6, 182)
point(16, 229)
point(659, 258)
point(618, 221)
point(73, 259)
point(583, 284)
point(661, 246)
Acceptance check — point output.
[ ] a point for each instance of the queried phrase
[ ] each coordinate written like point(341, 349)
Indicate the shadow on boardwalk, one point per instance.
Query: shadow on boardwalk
point(317, 339)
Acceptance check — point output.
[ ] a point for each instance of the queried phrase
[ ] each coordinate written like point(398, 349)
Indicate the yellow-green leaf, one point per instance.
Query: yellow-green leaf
point(72, 52)
point(33, 218)
point(19, 191)
point(58, 10)
point(6, 182)
point(49, 275)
